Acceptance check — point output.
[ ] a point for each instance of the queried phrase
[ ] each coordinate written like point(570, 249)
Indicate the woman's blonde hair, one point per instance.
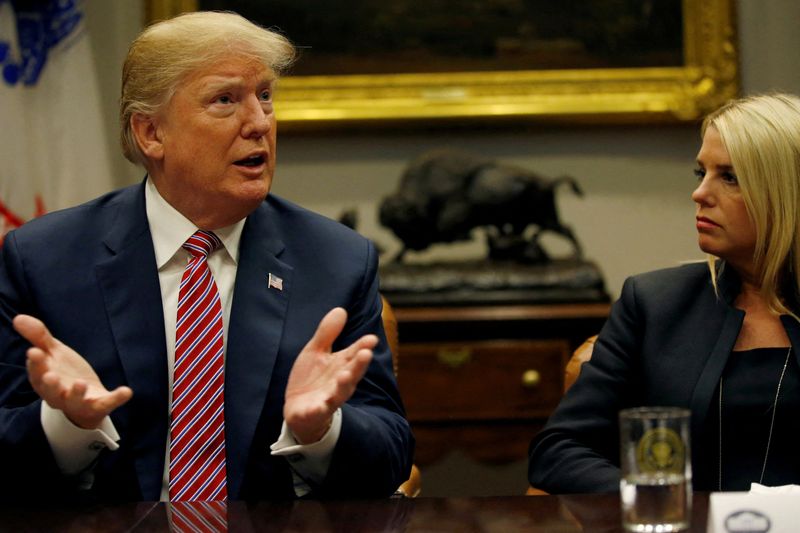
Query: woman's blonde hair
point(762, 136)
point(168, 51)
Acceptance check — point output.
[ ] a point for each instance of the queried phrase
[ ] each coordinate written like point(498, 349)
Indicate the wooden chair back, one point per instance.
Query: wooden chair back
point(412, 487)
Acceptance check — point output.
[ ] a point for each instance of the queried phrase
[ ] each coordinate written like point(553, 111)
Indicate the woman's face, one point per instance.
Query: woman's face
point(724, 228)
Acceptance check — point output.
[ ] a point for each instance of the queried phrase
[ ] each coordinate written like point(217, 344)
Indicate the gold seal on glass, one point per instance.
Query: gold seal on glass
point(660, 450)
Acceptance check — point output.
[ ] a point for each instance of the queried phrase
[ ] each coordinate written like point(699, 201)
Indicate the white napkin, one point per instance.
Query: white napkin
point(756, 488)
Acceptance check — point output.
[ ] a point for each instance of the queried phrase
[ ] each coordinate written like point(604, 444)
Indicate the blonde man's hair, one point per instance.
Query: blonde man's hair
point(762, 136)
point(168, 51)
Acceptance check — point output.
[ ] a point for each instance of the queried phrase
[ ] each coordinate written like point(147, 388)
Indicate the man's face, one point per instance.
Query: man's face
point(217, 140)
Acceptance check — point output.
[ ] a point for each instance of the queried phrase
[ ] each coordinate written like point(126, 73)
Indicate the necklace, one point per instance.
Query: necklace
point(771, 423)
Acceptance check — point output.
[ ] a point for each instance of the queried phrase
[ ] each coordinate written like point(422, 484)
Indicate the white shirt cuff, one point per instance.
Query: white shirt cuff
point(310, 461)
point(75, 448)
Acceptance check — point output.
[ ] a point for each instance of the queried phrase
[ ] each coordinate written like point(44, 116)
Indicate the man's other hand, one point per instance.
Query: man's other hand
point(321, 381)
point(62, 378)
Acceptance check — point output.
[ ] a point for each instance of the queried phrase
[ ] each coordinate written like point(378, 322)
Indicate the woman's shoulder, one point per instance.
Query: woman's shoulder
point(688, 278)
point(677, 296)
point(683, 272)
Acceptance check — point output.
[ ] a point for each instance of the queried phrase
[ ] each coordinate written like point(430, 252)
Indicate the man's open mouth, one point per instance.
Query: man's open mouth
point(253, 161)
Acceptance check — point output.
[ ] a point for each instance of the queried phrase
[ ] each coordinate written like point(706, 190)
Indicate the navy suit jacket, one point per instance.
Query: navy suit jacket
point(665, 343)
point(89, 273)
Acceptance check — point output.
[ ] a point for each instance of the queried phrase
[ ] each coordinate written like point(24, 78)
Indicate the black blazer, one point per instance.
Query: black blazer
point(665, 343)
point(90, 274)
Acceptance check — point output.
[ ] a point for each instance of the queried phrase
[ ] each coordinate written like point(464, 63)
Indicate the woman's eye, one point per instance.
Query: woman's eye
point(730, 177)
point(224, 99)
point(266, 96)
point(699, 173)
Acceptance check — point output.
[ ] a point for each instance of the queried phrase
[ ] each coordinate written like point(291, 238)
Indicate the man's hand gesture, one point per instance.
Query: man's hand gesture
point(62, 378)
point(321, 381)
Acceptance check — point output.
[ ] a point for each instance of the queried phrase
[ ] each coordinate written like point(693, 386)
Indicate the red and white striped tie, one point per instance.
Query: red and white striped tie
point(197, 432)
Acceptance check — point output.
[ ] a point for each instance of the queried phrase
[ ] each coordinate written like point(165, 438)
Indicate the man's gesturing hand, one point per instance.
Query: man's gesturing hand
point(321, 381)
point(64, 379)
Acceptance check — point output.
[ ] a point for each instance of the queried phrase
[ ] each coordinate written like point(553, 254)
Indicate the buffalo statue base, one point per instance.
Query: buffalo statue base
point(492, 282)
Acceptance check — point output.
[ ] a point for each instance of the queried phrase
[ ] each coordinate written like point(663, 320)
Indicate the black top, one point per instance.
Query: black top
point(749, 385)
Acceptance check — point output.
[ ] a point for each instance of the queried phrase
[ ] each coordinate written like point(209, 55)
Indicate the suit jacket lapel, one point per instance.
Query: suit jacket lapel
point(715, 364)
point(132, 296)
point(792, 328)
point(256, 326)
point(728, 287)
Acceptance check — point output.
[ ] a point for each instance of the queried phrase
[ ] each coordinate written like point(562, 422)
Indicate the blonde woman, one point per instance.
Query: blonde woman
point(721, 339)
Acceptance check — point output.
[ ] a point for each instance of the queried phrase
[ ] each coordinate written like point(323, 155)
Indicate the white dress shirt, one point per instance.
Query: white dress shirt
point(75, 449)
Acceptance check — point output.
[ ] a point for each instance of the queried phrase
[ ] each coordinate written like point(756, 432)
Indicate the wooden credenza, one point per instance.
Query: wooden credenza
point(484, 379)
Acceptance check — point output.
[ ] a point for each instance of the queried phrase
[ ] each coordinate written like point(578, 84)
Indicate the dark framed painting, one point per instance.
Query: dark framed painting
point(602, 61)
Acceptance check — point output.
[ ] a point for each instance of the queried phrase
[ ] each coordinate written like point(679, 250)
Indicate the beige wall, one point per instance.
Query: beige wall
point(636, 215)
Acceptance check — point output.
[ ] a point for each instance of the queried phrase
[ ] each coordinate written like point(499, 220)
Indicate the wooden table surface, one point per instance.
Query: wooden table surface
point(552, 514)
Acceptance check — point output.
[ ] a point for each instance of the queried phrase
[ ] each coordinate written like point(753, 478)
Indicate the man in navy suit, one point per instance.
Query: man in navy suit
point(88, 301)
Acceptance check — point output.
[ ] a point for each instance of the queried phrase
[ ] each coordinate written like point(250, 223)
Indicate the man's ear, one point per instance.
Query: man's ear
point(145, 131)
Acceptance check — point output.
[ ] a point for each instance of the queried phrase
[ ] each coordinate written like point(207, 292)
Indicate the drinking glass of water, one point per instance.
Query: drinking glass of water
point(655, 457)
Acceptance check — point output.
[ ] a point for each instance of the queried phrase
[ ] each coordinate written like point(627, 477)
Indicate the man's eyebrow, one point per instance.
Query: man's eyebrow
point(216, 83)
point(223, 80)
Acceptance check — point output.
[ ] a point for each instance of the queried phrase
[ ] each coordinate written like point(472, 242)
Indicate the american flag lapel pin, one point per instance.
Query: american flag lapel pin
point(274, 282)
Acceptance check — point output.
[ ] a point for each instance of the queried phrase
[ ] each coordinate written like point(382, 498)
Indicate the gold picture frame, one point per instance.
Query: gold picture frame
point(707, 78)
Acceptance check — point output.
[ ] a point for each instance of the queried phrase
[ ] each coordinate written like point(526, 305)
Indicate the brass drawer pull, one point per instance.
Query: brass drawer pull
point(531, 379)
point(454, 357)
